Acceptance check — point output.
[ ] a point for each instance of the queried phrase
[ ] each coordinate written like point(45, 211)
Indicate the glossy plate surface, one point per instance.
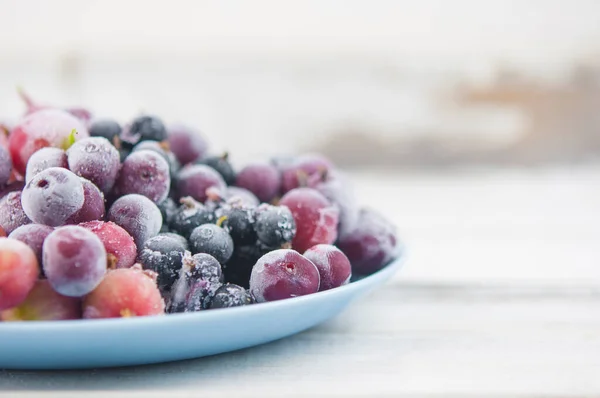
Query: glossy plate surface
point(145, 340)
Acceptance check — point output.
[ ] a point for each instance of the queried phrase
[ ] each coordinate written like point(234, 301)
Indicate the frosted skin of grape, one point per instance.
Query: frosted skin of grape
point(262, 180)
point(162, 149)
point(74, 260)
point(44, 304)
point(333, 265)
point(53, 196)
point(43, 128)
point(241, 195)
point(19, 270)
point(124, 293)
point(5, 166)
point(121, 250)
point(316, 219)
point(12, 215)
point(137, 215)
point(33, 235)
point(95, 159)
point(186, 143)
point(146, 173)
point(282, 274)
point(306, 170)
point(339, 191)
point(194, 180)
point(93, 204)
point(44, 159)
point(371, 244)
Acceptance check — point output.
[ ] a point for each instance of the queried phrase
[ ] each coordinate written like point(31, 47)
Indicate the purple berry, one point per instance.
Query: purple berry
point(74, 260)
point(44, 159)
point(33, 235)
point(186, 143)
point(339, 191)
point(137, 215)
point(263, 180)
point(93, 205)
point(5, 166)
point(282, 274)
point(241, 195)
point(371, 244)
point(12, 215)
point(162, 148)
point(53, 196)
point(306, 170)
point(333, 265)
point(213, 240)
point(194, 180)
point(95, 159)
point(221, 165)
point(230, 295)
point(145, 173)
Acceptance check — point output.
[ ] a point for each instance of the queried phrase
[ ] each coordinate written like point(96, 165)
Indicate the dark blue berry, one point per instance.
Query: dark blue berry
point(239, 267)
point(230, 295)
point(163, 255)
point(106, 128)
point(238, 221)
point(275, 225)
point(221, 165)
point(148, 128)
point(213, 240)
point(190, 215)
point(168, 209)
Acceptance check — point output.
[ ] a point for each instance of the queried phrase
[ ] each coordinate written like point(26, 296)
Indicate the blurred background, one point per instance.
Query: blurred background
point(474, 125)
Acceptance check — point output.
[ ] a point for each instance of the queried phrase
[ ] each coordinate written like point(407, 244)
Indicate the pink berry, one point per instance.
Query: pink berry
point(316, 219)
point(19, 270)
point(93, 204)
point(121, 250)
point(194, 180)
point(263, 180)
point(371, 244)
point(12, 215)
point(186, 143)
point(137, 215)
point(124, 293)
point(95, 159)
point(33, 235)
point(305, 170)
point(44, 159)
point(333, 265)
point(145, 173)
point(44, 304)
point(282, 274)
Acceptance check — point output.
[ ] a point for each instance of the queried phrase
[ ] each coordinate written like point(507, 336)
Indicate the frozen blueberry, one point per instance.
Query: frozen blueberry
point(163, 255)
point(213, 240)
point(221, 165)
point(230, 295)
point(238, 220)
point(189, 215)
point(275, 225)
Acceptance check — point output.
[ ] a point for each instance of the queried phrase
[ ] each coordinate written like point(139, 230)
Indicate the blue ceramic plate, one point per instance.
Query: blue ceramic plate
point(145, 340)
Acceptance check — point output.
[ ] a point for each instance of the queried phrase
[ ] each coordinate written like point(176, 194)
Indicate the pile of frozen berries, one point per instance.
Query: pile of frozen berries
point(108, 220)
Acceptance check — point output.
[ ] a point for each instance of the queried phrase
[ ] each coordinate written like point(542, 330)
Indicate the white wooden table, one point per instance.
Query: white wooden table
point(500, 297)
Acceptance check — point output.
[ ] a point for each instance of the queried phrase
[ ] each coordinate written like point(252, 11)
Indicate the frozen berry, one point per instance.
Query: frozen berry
point(242, 196)
point(230, 295)
point(44, 159)
point(137, 215)
point(338, 190)
point(371, 244)
point(163, 255)
point(168, 209)
point(177, 237)
point(146, 173)
point(19, 270)
point(283, 274)
point(74, 260)
point(199, 279)
point(53, 196)
point(213, 240)
point(161, 148)
point(106, 128)
point(95, 159)
point(121, 250)
point(189, 215)
point(316, 219)
point(33, 235)
point(263, 180)
point(275, 225)
point(194, 180)
point(306, 170)
point(239, 267)
point(44, 304)
point(148, 128)
point(333, 265)
point(186, 143)
point(93, 204)
point(124, 293)
point(238, 221)
point(5, 166)
point(221, 165)
point(12, 215)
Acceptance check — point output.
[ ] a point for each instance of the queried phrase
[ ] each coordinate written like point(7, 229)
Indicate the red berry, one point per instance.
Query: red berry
point(333, 265)
point(316, 219)
point(44, 304)
point(306, 170)
point(121, 250)
point(124, 293)
point(19, 270)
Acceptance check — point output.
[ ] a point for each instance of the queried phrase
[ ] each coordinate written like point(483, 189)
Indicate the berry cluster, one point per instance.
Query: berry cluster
point(100, 220)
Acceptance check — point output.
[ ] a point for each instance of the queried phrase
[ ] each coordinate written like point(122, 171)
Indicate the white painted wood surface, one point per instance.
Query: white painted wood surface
point(500, 297)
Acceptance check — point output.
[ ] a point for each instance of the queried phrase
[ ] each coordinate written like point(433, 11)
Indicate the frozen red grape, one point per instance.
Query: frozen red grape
point(263, 180)
point(80, 113)
point(124, 293)
point(137, 215)
point(316, 219)
point(93, 204)
point(12, 215)
point(371, 244)
point(194, 180)
point(53, 196)
point(47, 127)
point(44, 159)
point(5, 166)
point(221, 165)
point(282, 274)
point(121, 250)
point(74, 260)
point(44, 304)
point(305, 170)
point(145, 173)
point(33, 235)
point(333, 265)
point(186, 143)
point(95, 159)
point(241, 195)
point(339, 191)
point(19, 270)
point(161, 148)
